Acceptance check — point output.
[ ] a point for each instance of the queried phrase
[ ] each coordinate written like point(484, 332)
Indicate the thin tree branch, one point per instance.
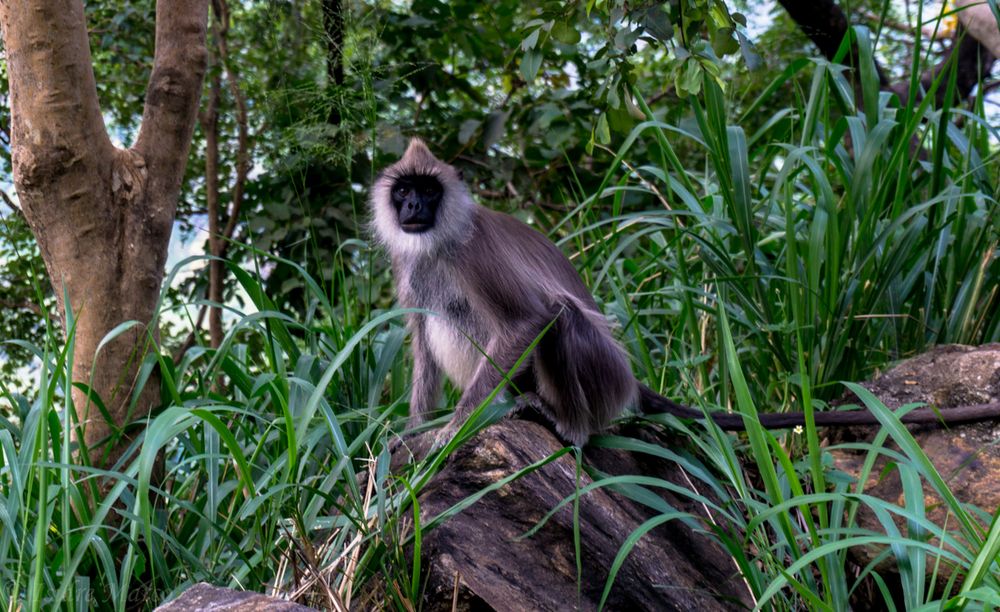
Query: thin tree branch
point(219, 240)
point(210, 126)
point(242, 133)
point(10, 204)
point(21, 305)
point(890, 24)
point(192, 336)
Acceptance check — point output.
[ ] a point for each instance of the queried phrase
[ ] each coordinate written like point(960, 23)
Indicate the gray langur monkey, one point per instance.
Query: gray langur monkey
point(496, 285)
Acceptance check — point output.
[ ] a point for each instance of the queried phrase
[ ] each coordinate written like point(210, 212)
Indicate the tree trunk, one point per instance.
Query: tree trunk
point(487, 557)
point(102, 215)
point(826, 25)
point(977, 17)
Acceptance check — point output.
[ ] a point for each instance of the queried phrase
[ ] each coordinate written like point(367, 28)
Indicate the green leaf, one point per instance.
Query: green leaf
point(603, 132)
point(723, 42)
point(657, 24)
point(632, 109)
point(620, 121)
point(530, 40)
point(565, 33)
point(751, 58)
point(467, 130)
point(688, 82)
point(531, 61)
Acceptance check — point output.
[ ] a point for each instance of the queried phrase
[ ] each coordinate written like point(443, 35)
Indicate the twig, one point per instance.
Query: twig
point(192, 336)
point(242, 135)
point(647, 184)
point(22, 305)
point(10, 203)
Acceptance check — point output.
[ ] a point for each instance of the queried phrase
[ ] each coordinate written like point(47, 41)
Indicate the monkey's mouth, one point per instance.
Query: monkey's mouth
point(415, 228)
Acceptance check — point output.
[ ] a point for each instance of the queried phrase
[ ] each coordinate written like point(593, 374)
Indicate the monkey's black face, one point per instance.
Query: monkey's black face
point(416, 198)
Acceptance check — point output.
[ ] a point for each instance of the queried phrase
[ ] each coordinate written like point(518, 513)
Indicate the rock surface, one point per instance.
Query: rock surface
point(967, 456)
point(204, 597)
point(479, 558)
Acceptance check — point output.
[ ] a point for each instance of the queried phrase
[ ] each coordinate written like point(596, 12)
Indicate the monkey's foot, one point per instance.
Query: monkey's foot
point(445, 435)
point(526, 402)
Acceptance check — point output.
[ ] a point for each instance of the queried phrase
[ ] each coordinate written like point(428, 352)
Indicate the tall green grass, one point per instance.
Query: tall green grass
point(260, 490)
point(832, 241)
point(276, 481)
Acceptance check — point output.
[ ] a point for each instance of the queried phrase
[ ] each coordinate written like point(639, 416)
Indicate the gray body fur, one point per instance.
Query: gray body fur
point(497, 283)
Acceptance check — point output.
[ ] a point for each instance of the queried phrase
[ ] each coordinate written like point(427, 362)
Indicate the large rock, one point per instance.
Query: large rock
point(967, 456)
point(481, 559)
point(204, 597)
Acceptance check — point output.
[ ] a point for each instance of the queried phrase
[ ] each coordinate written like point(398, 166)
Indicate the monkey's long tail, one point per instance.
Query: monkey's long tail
point(652, 402)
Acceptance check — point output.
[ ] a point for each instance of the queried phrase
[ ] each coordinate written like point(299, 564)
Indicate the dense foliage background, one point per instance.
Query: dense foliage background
point(761, 223)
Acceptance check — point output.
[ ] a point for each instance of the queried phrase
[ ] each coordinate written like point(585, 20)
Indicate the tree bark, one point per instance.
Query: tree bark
point(210, 127)
point(469, 567)
point(825, 24)
point(973, 64)
point(102, 215)
point(977, 17)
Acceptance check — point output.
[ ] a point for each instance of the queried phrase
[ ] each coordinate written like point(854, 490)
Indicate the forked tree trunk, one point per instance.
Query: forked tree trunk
point(102, 215)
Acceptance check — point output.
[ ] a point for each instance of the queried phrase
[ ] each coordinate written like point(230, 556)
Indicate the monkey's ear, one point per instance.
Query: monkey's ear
point(461, 174)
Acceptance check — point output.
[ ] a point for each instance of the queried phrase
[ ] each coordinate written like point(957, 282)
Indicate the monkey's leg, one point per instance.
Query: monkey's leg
point(583, 374)
point(426, 389)
point(502, 352)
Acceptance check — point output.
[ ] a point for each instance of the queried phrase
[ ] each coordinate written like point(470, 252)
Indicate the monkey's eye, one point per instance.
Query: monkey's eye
point(401, 191)
point(429, 191)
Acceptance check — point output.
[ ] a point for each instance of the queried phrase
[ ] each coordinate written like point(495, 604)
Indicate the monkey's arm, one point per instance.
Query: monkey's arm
point(426, 389)
point(501, 353)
